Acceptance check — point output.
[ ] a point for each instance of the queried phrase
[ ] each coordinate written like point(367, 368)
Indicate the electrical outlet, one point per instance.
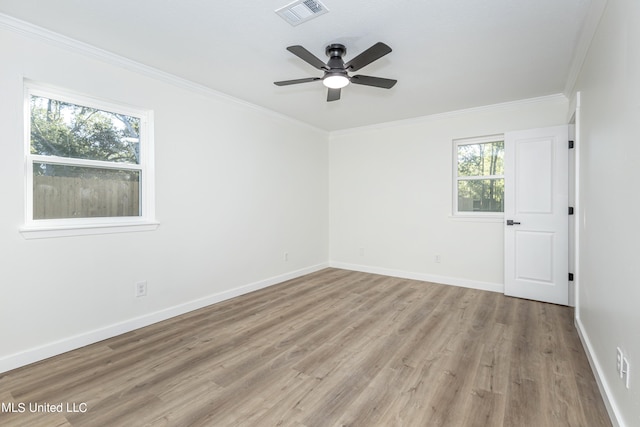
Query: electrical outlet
point(437, 259)
point(361, 251)
point(141, 289)
point(285, 257)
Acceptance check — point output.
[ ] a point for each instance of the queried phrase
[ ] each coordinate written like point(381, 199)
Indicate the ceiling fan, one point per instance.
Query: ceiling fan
point(336, 71)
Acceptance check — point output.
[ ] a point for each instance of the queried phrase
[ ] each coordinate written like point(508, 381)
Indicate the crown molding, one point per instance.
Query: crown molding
point(558, 97)
point(61, 41)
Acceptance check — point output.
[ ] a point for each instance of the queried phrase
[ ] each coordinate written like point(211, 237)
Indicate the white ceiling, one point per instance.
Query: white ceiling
point(447, 55)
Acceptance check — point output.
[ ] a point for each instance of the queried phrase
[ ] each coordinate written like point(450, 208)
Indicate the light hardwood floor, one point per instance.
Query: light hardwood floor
point(334, 348)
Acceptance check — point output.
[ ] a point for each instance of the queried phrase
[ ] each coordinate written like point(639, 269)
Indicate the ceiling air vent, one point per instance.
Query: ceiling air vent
point(301, 11)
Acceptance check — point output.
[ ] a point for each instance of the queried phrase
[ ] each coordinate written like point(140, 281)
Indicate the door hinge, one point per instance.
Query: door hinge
point(570, 210)
point(570, 144)
point(571, 277)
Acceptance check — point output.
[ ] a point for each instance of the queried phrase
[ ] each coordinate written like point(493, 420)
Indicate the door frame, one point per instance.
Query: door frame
point(574, 121)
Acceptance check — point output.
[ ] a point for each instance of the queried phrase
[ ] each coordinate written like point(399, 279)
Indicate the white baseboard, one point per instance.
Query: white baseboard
point(603, 385)
point(45, 351)
point(445, 280)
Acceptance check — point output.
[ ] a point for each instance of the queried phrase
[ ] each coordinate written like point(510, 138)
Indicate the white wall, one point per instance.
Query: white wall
point(236, 188)
point(391, 195)
point(608, 305)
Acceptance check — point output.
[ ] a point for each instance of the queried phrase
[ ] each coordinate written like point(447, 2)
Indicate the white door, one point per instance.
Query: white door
point(536, 214)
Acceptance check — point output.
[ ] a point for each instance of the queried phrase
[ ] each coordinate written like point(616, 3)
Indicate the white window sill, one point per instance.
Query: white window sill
point(44, 232)
point(478, 218)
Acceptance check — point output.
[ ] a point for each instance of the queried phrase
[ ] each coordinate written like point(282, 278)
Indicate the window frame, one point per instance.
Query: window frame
point(43, 228)
point(473, 214)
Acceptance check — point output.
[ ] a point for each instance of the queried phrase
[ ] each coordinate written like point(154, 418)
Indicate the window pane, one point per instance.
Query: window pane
point(482, 195)
point(481, 159)
point(61, 191)
point(68, 130)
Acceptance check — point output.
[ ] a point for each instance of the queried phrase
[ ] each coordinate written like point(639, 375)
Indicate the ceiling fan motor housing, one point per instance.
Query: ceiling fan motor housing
point(336, 49)
point(336, 63)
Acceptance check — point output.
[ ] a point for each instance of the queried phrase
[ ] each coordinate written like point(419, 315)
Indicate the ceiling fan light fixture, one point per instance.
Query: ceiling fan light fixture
point(335, 80)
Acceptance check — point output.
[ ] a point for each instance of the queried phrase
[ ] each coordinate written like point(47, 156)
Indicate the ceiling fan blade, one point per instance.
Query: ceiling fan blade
point(373, 81)
point(295, 82)
point(333, 94)
point(307, 56)
point(375, 52)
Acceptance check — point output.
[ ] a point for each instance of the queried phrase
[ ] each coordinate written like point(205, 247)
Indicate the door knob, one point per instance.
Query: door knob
point(512, 222)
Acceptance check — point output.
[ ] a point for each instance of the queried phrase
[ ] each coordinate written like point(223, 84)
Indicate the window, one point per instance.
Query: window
point(479, 176)
point(89, 165)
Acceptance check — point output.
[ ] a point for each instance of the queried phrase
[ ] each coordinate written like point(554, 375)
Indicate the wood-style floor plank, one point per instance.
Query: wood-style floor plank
point(333, 348)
